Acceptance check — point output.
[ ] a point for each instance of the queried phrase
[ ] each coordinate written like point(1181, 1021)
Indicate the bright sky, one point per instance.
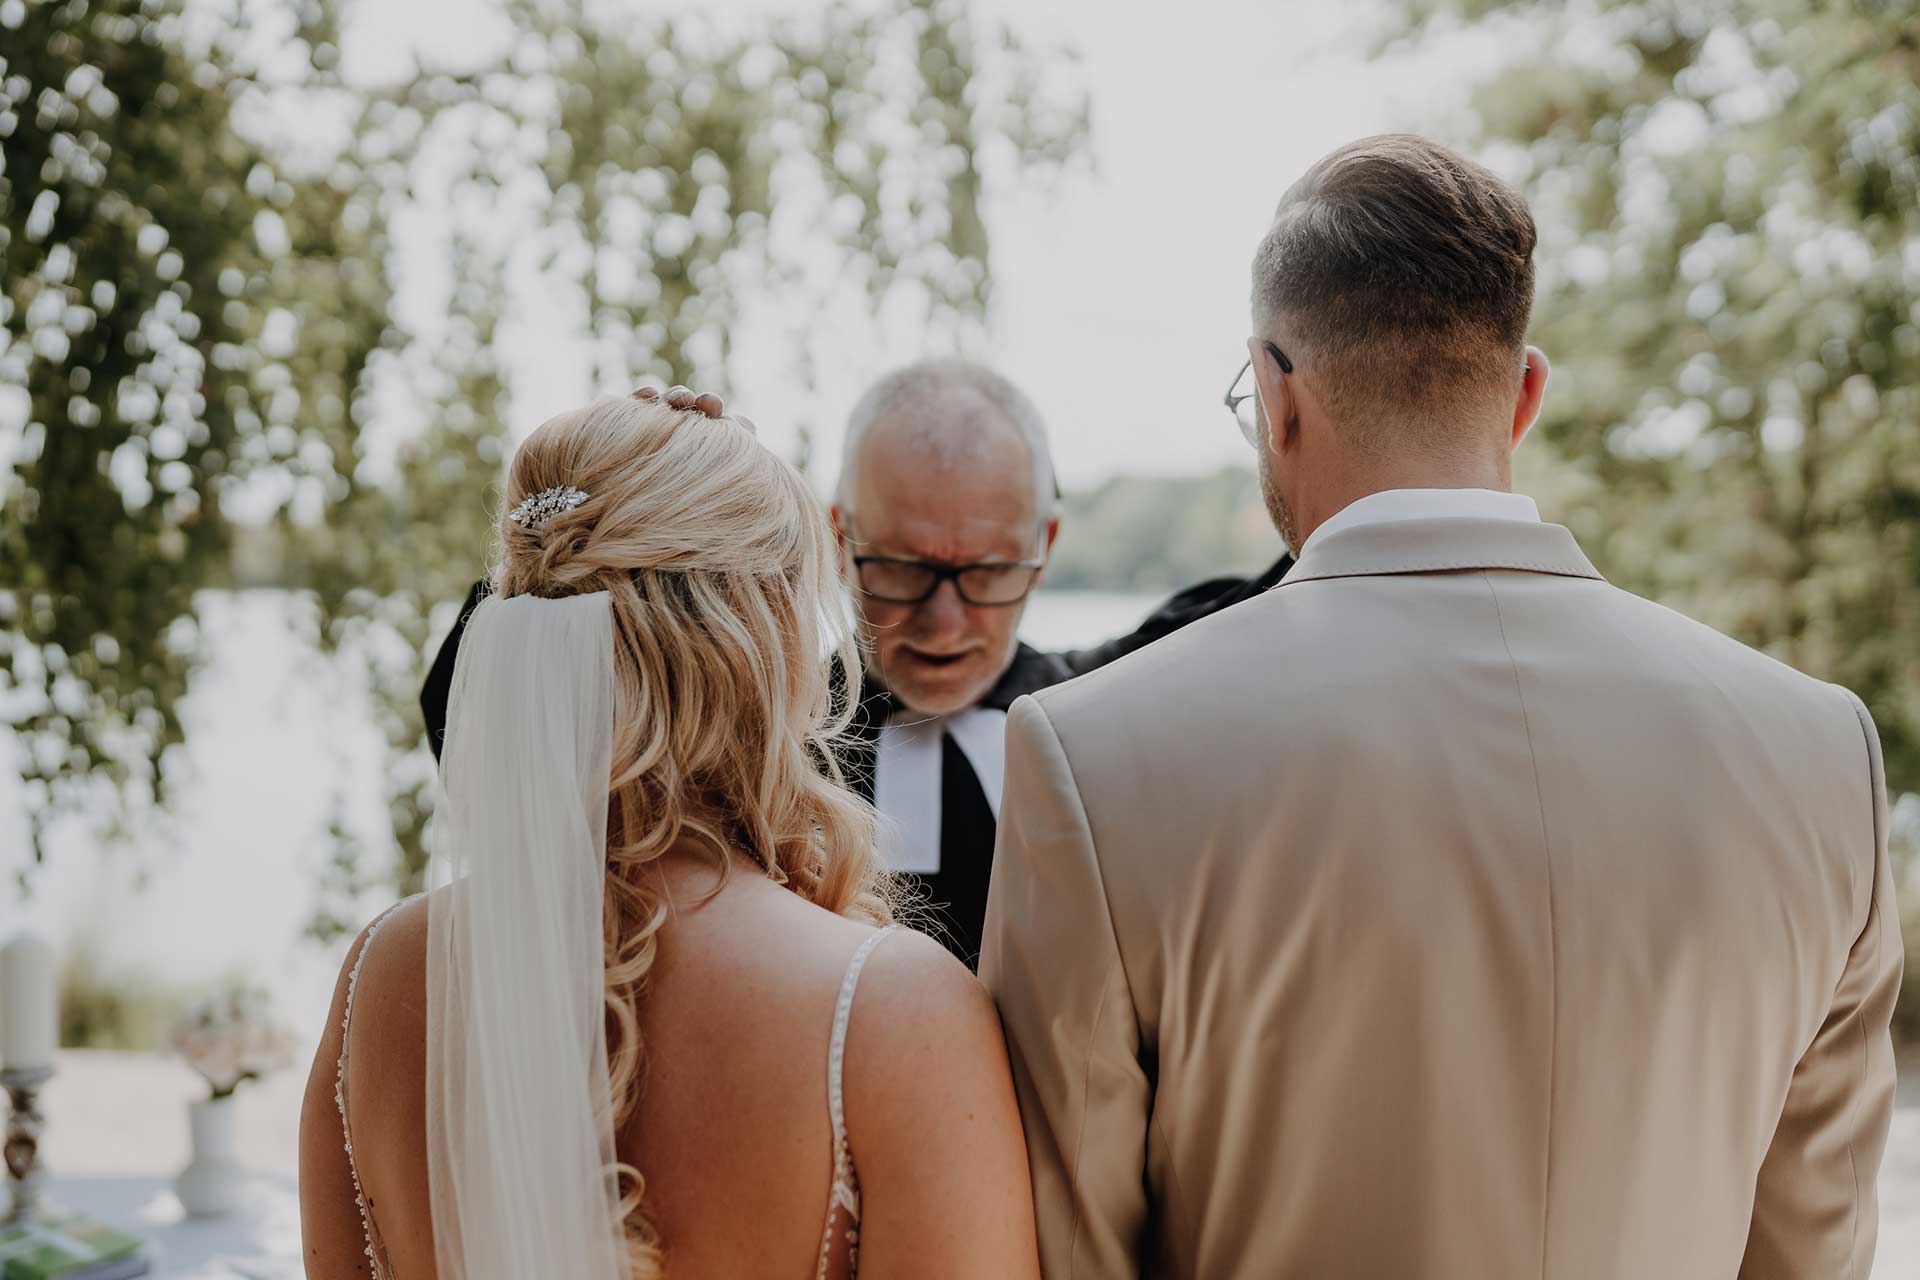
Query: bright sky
point(1120, 299)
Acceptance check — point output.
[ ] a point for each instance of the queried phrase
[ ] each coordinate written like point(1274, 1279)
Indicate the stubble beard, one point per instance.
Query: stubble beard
point(1277, 509)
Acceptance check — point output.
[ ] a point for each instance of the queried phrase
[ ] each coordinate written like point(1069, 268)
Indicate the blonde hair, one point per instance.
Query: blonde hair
point(727, 612)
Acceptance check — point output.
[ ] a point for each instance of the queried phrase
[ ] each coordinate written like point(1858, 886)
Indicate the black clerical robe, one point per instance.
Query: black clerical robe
point(950, 903)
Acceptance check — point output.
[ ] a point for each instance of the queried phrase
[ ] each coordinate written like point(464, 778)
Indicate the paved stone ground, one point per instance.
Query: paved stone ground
point(118, 1113)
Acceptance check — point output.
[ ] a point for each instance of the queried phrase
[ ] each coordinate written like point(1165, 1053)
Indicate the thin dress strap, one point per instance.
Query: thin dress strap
point(845, 1195)
point(376, 1253)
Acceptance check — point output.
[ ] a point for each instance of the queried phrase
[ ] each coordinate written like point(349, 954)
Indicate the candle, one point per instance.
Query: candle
point(29, 1027)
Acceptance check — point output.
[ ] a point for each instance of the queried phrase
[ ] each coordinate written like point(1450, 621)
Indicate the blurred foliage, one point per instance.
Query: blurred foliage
point(1728, 195)
point(1905, 847)
point(1135, 533)
point(202, 225)
point(1906, 1015)
point(153, 357)
point(103, 1011)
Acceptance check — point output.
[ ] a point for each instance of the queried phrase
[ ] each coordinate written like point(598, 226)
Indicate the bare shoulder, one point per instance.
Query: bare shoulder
point(933, 1122)
point(923, 1030)
point(912, 980)
point(402, 928)
point(387, 1042)
point(331, 1228)
point(390, 995)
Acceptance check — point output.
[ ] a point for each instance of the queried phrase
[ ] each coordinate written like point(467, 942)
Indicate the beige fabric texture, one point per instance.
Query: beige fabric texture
point(1448, 912)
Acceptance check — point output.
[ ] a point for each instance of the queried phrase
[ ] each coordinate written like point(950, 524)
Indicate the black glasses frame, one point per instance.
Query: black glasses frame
point(1233, 402)
point(947, 573)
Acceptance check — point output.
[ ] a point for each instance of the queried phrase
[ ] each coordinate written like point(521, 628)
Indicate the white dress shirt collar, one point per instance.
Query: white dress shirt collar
point(1425, 504)
point(908, 782)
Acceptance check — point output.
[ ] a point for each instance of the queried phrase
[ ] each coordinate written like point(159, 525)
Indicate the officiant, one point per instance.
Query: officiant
point(947, 510)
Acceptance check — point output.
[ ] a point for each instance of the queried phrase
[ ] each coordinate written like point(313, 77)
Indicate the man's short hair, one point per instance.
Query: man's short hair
point(1403, 272)
point(944, 399)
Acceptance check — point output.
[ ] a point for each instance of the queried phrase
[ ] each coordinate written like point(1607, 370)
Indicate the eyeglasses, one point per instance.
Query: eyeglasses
point(1242, 404)
point(993, 584)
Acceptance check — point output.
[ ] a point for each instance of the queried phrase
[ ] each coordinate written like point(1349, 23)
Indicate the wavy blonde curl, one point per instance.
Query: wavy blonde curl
point(728, 618)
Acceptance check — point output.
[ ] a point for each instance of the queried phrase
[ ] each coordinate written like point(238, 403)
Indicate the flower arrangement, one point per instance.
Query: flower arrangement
point(232, 1038)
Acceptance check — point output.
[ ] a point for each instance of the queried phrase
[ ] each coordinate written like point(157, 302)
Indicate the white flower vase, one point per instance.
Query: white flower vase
point(213, 1183)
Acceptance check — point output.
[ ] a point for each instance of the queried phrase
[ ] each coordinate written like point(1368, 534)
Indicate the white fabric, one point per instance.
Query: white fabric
point(906, 791)
point(519, 1125)
point(1425, 504)
point(907, 782)
point(981, 734)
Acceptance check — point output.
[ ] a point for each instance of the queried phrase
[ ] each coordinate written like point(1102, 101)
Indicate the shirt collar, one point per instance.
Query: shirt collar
point(1425, 504)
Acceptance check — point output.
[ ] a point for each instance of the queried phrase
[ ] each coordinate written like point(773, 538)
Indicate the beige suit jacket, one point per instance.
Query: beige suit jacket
point(1447, 912)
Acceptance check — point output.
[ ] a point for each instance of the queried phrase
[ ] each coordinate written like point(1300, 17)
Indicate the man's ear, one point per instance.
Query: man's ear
point(839, 525)
point(1051, 530)
point(1276, 395)
point(1533, 390)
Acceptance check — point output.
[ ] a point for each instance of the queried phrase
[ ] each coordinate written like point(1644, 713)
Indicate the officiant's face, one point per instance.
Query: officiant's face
point(943, 654)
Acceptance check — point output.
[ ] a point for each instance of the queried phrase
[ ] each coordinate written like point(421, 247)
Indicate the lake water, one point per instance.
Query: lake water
point(1075, 619)
point(280, 744)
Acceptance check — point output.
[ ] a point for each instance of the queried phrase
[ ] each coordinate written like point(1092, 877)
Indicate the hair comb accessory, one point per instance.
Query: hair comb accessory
point(535, 510)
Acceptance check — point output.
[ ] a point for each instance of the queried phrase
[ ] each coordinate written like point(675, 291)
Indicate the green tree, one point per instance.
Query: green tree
point(1728, 194)
point(664, 172)
point(161, 350)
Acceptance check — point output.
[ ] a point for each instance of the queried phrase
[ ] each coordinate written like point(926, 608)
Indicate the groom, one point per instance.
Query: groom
point(1444, 911)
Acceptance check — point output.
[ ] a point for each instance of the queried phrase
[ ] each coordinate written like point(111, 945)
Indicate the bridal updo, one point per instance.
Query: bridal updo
point(723, 577)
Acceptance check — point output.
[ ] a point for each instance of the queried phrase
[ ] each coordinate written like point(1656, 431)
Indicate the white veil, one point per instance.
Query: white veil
point(519, 1123)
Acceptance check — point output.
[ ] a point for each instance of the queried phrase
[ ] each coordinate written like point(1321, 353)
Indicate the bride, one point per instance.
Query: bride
point(656, 1020)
